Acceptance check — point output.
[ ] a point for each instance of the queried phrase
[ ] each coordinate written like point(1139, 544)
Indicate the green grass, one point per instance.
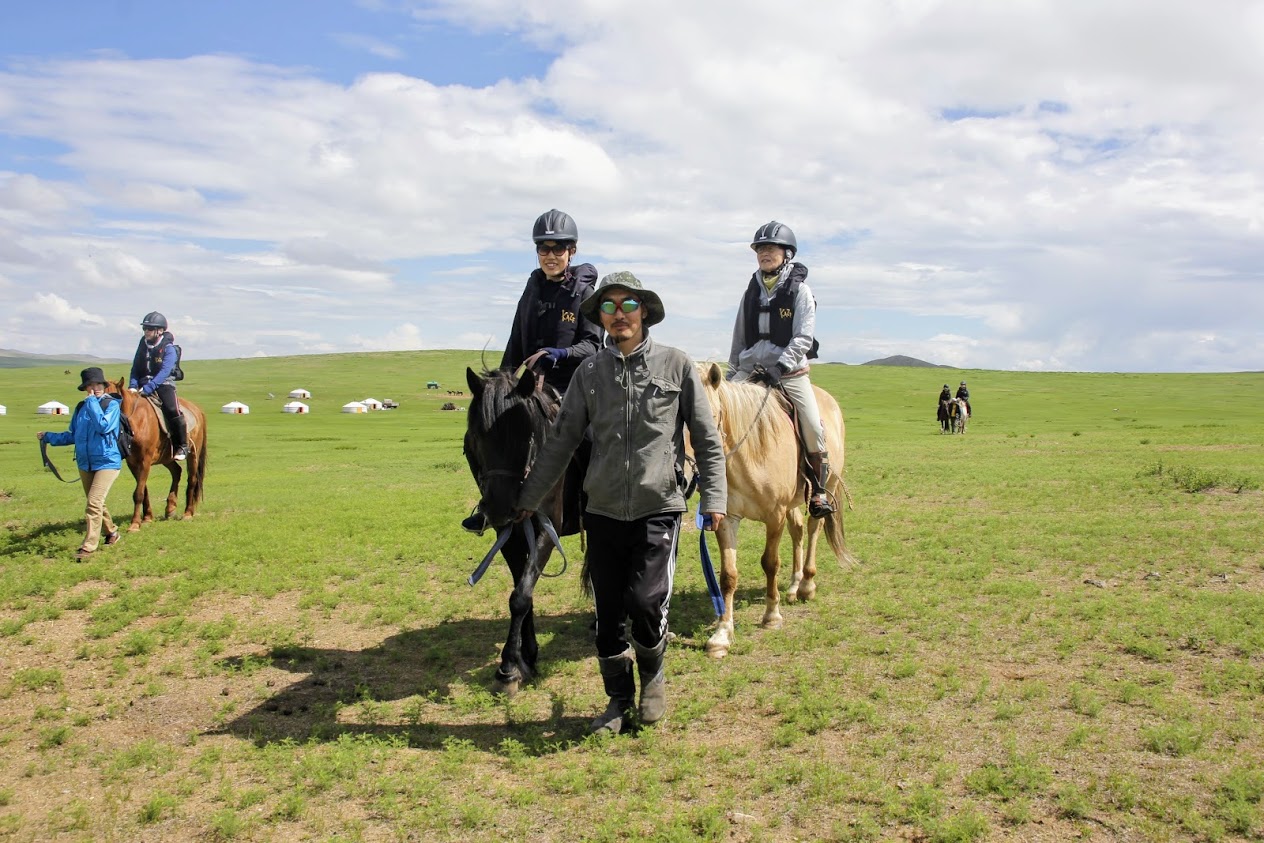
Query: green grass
point(304, 661)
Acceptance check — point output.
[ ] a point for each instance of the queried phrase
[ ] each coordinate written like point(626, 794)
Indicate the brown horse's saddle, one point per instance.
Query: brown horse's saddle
point(189, 421)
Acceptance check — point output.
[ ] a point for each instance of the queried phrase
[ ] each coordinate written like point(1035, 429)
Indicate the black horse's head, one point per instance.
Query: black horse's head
point(508, 421)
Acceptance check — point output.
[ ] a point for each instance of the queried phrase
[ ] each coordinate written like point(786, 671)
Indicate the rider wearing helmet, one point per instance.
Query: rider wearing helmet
point(547, 328)
point(152, 369)
point(773, 338)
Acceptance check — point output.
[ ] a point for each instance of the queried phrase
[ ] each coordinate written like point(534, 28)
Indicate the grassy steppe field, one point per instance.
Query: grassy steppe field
point(1056, 632)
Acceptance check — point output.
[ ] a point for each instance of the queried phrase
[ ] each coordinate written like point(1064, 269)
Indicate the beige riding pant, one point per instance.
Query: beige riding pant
point(96, 485)
point(799, 388)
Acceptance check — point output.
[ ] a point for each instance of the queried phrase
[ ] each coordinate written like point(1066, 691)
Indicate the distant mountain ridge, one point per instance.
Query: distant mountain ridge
point(902, 360)
point(10, 359)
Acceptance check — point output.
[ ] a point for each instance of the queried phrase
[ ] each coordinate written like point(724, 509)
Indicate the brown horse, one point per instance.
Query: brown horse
point(766, 483)
point(151, 446)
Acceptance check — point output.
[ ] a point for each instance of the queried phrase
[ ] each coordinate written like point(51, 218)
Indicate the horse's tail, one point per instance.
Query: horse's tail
point(198, 475)
point(834, 530)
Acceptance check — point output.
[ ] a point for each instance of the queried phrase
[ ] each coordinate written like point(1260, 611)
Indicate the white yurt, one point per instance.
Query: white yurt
point(53, 408)
point(235, 408)
point(372, 403)
point(354, 407)
point(296, 407)
point(4, 411)
point(299, 393)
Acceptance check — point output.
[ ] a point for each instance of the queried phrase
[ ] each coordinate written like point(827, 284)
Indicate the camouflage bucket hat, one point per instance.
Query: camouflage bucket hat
point(651, 304)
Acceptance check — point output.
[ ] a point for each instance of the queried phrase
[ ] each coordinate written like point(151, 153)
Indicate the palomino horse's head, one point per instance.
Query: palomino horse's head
point(506, 425)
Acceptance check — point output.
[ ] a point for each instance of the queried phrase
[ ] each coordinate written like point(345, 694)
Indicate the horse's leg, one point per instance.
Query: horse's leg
point(722, 639)
point(794, 520)
point(807, 587)
point(771, 562)
point(517, 659)
point(140, 499)
point(173, 494)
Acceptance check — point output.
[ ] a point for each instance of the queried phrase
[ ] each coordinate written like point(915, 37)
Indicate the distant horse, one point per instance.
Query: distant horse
point(766, 483)
point(960, 415)
point(944, 415)
point(151, 446)
point(508, 421)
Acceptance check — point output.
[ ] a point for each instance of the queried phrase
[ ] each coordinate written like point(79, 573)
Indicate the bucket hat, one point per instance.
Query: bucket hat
point(651, 304)
point(89, 376)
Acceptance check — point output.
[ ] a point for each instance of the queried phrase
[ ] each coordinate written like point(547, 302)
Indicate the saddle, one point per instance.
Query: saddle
point(761, 375)
point(190, 423)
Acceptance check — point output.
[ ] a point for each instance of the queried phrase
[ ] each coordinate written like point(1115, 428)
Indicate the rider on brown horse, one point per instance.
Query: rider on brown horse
point(153, 370)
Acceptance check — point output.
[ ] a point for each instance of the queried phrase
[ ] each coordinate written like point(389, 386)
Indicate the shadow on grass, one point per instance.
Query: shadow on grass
point(424, 664)
point(34, 542)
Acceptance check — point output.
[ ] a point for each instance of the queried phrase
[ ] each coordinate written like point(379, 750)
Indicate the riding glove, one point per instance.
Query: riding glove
point(555, 355)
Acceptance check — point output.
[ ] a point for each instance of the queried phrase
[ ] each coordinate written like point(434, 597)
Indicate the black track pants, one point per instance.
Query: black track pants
point(633, 564)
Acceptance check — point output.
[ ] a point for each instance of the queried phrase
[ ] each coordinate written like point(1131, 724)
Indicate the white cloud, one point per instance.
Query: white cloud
point(1026, 185)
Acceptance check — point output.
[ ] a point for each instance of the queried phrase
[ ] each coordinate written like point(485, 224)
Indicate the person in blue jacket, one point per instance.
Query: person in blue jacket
point(152, 368)
point(94, 430)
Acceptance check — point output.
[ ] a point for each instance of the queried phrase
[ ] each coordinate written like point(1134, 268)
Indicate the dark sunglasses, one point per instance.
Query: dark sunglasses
point(558, 249)
point(627, 306)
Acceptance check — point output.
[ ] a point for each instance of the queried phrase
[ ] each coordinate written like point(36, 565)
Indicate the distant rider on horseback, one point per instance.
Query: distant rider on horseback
point(964, 394)
point(773, 339)
point(152, 372)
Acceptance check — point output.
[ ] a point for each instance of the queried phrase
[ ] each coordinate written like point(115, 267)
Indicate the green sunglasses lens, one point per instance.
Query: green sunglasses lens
point(627, 306)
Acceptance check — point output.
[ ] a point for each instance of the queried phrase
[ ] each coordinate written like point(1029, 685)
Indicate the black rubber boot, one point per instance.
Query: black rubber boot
point(616, 675)
point(179, 436)
point(819, 504)
point(649, 666)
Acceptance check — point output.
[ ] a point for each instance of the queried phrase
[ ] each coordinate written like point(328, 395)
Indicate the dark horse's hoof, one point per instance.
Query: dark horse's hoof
point(506, 685)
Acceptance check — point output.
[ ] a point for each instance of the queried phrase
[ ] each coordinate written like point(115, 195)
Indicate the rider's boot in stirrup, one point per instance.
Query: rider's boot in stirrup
point(819, 504)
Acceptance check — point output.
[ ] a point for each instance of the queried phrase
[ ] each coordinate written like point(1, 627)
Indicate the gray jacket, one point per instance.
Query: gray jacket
point(638, 407)
point(793, 357)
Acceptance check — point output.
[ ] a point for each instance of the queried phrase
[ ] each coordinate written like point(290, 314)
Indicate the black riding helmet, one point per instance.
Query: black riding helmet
point(778, 234)
point(555, 225)
point(154, 319)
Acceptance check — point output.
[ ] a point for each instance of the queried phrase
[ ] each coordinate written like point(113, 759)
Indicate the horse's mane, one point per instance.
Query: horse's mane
point(750, 407)
point(500, 396)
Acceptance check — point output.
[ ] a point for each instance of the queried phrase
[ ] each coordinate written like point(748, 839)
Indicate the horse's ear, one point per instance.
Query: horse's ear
point(526, 386)
point(714, 375)
point(475, 383)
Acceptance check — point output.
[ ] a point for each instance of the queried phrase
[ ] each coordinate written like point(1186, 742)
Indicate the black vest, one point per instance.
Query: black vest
point(780, 310)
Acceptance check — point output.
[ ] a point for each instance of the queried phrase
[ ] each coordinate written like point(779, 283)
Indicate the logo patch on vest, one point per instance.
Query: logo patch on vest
point(567, 316)
point(786, 312)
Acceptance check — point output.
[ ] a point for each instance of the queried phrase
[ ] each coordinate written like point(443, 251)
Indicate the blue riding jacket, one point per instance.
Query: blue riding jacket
point(94, 433)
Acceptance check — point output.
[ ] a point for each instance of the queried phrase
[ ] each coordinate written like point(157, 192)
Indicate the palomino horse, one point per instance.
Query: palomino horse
point(508, 421)
point(960, 415)
point(766, 483)
point(151, 446)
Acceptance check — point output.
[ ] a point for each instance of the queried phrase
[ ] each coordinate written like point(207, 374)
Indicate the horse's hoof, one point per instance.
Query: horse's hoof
point(501, 688)
point(806, 592)
point(792, 596)
point(717, 651)
point(133, 528)
point(187, 517)
point(772, 622)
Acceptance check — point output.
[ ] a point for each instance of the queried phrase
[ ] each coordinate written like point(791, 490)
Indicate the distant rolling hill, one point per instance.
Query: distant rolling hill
point(902, 360)
point(10, 359)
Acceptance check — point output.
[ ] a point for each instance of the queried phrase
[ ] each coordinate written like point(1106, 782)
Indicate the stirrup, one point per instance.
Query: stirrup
point(182, 452)
point(819, 506)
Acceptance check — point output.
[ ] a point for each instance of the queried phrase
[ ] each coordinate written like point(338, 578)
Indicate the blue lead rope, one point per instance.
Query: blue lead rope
point(708, 570)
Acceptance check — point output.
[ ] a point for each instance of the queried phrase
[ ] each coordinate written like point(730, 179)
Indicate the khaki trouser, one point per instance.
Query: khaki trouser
point(799, 388)
point(96, 485)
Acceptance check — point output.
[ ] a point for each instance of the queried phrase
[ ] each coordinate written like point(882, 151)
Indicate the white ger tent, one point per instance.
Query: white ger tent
point(235, 408)
point(53, 408)
point(296, 407)
point(372, 403)
point(354, 407)
point(299, 393)
point(3, 410)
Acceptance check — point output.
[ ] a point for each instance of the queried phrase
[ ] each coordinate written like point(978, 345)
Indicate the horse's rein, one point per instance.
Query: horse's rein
point(49, 463)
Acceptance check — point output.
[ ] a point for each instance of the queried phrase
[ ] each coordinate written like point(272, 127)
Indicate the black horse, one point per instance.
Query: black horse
point(508, 421)
point(944, 416)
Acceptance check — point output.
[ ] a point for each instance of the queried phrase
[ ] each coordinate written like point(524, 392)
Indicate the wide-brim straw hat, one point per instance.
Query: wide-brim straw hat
point(652, 311)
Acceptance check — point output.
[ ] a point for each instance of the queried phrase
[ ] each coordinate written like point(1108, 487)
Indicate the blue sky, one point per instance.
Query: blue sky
point(1024, 186)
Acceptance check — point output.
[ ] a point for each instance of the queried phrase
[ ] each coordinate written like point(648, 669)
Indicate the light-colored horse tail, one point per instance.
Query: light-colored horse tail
point(835, 532)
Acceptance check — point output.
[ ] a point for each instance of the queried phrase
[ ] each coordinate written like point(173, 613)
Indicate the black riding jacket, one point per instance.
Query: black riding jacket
point(548, 317)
